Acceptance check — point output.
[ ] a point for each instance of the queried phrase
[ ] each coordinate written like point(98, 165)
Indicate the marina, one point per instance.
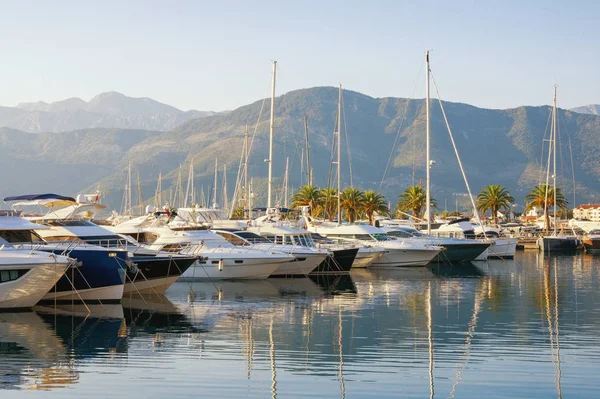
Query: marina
point(511, 327)
point(324, 207)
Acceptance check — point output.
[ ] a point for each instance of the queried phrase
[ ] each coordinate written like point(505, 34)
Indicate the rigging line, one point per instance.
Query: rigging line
point(347, 137)
point(571, 155)
point(333, 146)
point(402, 120)
point(238, 180)
point(561, 159)
point(572, 172)
point(551, 146)
point(542, 153)
point(262, 107)
point(475, 212)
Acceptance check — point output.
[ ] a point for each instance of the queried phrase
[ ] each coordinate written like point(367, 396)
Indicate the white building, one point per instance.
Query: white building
point(587, 211)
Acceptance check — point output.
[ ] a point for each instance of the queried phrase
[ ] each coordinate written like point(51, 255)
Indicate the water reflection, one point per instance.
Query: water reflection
point(518, 328)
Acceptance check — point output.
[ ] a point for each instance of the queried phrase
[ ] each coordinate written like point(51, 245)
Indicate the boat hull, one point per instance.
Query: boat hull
point(213, 268)
point(340, 262)
point(406, 257)
point(154, 275)
point(460, 252)
point(365, 257)
point(99, 277)
point(300, 267)
point(30, 288)
point(501, 248)
point(559, 244)
point(592, 244)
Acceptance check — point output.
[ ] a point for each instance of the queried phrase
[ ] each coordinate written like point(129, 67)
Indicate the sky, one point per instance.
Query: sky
point(216, 55)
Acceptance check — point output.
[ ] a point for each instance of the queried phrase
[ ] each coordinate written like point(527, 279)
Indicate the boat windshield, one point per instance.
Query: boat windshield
point(594, 232)
point(341, 237)
point(304, 240)
point(21, 237)
point(399, 233)
point(252, 237)
point(66, 222)
point(317, 238)
point(380, 237)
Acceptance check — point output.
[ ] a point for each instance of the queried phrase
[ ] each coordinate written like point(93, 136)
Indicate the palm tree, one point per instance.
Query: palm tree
point(307, 196)
point(538, 197)
point(414, 199)
point(374, 202)
point(328, 202)
point(494, 198)
point(352, 202)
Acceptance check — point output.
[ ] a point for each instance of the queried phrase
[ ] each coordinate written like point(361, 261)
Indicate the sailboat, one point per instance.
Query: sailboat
point(295, 242)
point(557, 241)
point(374, 246)
point(456, 248)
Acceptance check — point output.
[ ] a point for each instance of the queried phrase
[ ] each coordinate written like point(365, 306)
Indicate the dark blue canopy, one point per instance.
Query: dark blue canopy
point(33, 197)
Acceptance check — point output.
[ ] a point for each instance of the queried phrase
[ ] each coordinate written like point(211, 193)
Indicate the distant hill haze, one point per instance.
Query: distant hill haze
point(593, 109)
point(106, 110)
point(496, 147)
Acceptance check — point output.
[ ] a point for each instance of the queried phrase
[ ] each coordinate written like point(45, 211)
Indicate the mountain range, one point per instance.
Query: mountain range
point(106, 110)
point(496, 147)
point(593, 109)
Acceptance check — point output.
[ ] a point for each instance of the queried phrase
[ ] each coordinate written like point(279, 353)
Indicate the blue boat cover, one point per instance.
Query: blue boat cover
point(33, 197)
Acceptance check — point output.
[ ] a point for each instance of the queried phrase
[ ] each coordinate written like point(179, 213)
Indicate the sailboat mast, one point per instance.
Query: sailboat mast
point(192, 193)
point(339, 141)
point(308, 168)
point(129, 203)
point(427, 160)
point(140, 194)
point(158, 192)
point(271, 126)
point(225, 199)
point(554, 155)
point(285, 186)
point(215, 183)
point(250, 201)
point(246, 190)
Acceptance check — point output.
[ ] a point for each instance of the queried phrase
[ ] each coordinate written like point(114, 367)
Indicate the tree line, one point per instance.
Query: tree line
point(357, 204)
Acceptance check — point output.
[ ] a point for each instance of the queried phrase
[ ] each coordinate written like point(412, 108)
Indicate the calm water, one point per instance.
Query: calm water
point(523, 328)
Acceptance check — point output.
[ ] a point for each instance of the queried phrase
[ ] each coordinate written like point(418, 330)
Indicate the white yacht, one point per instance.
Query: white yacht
point(148, 271)
point(297, 243)
point(221, 259)
point(456, 250)
point(502, 247)
point(26, 275)
point(397, 252)
point(100, 272)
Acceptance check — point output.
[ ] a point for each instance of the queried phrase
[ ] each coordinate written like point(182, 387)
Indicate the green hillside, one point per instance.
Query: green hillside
point(496, 147)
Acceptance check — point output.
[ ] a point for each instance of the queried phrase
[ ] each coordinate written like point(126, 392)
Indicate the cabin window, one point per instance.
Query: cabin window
point(401, 234)
point(253, 238)
point(20, 236)
point(233, 239)
point(364, 237)
point(11, 275)
point(171, 248)
point(60, 238)
point(380, 237)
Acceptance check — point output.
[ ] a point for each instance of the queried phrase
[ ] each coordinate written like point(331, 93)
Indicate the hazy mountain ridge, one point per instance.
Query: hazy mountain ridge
point(106, 110)
point(496, 147)
point(593, 109)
